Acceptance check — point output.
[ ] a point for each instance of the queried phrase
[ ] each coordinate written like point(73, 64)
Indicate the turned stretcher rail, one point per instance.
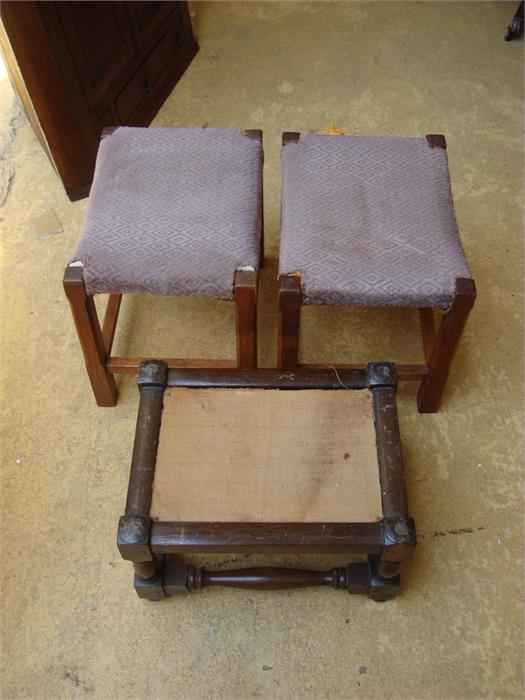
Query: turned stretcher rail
point(355, 578)
point(185, 578)
point(272, 578)
point(174, 578)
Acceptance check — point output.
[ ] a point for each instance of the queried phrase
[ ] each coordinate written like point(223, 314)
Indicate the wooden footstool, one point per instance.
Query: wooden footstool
point(266, 461)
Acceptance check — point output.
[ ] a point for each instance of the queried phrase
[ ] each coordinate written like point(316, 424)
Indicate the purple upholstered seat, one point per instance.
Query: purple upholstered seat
point(172, 211)
point(369, 221)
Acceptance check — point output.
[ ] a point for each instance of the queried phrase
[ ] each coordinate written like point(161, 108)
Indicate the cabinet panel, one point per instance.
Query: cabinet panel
point(145, 78)
point(100, 40)
point(147, 18)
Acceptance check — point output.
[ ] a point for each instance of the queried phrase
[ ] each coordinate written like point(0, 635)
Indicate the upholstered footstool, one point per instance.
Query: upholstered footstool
point(266, 461)
point(172, 212)
point(369, 221)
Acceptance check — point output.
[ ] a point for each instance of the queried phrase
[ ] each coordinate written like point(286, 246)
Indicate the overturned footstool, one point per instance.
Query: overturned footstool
point(265, 461)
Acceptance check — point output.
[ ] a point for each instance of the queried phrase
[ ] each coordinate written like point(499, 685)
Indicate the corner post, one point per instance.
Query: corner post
point(290, 297)
point(245, 295)
point(90, 336)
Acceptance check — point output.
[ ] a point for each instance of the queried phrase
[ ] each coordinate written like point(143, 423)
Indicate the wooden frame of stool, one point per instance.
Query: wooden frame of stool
point(439, 346)
point(388, 542)
point(97, 341)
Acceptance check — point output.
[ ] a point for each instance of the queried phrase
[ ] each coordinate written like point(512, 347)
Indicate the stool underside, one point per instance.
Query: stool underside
point(252, 455)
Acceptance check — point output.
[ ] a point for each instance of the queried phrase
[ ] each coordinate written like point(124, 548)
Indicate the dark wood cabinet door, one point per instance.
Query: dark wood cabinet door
point(88, 65)
point(147, 18)
point(100, 41)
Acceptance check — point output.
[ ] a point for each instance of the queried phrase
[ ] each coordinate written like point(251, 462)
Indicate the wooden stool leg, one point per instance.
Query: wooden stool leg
point(148, 578)
point(290, 295)
point(445, 345)
point(245, 295)
point(90, 336)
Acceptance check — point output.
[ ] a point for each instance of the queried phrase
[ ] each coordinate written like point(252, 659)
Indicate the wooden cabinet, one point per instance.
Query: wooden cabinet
point(81, 66)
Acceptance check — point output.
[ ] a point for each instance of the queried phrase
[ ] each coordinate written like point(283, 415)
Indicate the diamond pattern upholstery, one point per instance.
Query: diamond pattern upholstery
point(369, 221)
point(172, 211)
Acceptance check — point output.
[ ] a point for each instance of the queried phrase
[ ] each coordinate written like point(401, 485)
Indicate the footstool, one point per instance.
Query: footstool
point(369, 221)
point(172, 212)
point(266, 461)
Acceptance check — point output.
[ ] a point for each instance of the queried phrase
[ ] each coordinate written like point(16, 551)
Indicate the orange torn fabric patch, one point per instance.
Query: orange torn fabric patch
point(332, 130)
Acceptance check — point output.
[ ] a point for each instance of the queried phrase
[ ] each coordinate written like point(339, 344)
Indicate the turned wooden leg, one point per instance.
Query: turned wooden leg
point(245, 295)
point(445, 344)
point(382, 587)
point(148, 580)
point(290, 295)
point(90, 336)
point(399, 544)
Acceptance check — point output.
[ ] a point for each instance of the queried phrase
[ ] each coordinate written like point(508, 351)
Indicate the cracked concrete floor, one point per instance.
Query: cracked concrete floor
point(71, 624)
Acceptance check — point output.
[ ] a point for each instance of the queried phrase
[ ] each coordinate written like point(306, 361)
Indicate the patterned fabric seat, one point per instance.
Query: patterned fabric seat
point(173, 212)
point(369, 221)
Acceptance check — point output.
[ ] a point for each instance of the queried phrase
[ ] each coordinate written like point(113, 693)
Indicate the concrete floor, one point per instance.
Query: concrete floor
point(72, 626)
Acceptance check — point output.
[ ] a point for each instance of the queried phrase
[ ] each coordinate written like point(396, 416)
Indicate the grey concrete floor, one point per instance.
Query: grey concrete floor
point(71, 624)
